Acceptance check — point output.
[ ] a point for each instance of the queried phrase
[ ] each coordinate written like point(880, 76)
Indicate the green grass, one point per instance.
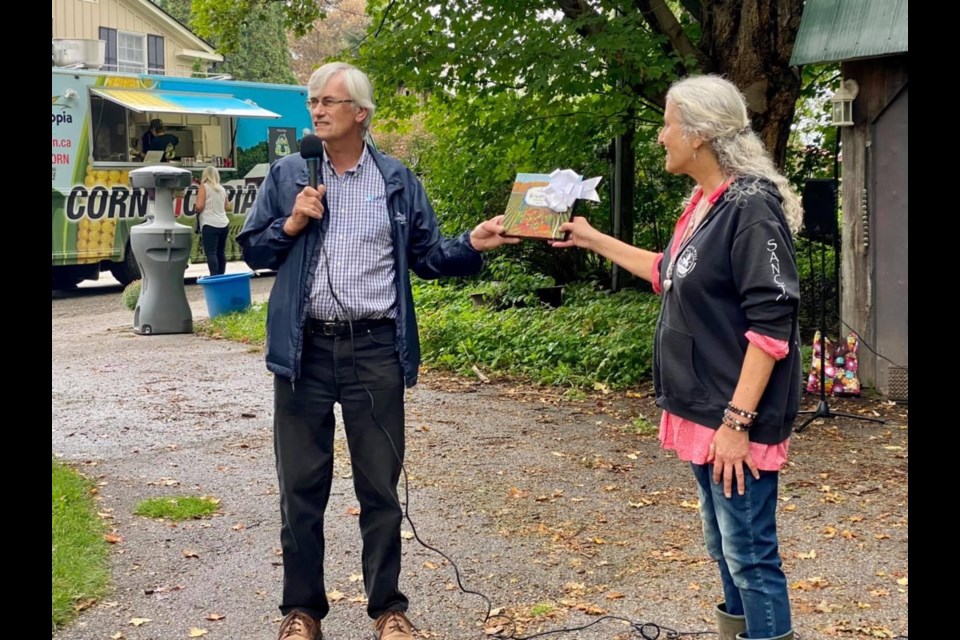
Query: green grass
point(79, 556)
point(178, 507)
point(248, 326)
point(642, 426)
point(541, 609)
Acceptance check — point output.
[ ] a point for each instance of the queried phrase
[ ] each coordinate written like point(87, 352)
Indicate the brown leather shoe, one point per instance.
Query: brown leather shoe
point(393, 625)
point(297, 625)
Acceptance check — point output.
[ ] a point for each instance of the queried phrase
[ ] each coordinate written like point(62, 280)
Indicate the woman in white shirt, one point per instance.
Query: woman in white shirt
point(212, 211)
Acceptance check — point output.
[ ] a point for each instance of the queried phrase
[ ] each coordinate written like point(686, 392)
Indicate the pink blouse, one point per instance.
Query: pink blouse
point(690, 440)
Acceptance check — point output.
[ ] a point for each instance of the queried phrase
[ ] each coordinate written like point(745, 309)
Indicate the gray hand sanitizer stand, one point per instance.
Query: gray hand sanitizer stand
point(162, 249)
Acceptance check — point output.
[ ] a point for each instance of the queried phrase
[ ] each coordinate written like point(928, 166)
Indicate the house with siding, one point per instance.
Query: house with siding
point(140, 37)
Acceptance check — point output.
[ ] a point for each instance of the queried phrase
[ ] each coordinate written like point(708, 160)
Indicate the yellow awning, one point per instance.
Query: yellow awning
point(209, 104)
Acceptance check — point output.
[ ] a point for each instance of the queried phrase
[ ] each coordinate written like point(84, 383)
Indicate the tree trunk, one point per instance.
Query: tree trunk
point(750, 43)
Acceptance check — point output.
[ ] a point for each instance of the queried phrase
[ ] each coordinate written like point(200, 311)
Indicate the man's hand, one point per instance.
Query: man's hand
point(307, 206)
point(486, 235)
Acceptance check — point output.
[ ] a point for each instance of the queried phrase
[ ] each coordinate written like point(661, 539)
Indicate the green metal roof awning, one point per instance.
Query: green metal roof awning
point(840, 30)
point(208, 104)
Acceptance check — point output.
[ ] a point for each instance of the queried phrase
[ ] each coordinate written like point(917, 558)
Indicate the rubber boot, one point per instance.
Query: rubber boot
point(743, 636)
point(728, 625)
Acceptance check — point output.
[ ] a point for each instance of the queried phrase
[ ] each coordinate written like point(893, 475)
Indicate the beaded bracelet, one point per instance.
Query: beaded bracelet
point(743, 413)
point(734, 423)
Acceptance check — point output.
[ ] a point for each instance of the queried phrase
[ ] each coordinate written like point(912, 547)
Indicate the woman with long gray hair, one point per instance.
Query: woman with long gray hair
point(726, 365)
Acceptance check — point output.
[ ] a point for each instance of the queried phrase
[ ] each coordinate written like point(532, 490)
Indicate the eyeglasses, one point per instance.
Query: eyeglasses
point(326, 102)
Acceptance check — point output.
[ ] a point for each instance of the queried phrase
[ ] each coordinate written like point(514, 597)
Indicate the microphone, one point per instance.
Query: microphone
point(311, 149)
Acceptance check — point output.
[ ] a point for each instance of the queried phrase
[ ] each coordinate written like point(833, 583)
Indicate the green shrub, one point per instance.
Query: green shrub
point(131, 295)
point(595, 336)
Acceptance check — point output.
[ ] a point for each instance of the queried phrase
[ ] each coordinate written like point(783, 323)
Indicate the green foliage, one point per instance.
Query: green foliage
point(131, 295)
point(817, 281)
point(594, 337)
point(79, 552)
point(249, 33)
point(812, 146)
point(226, 22)
point(250, 157)
point(178, 507)
point(264, 56)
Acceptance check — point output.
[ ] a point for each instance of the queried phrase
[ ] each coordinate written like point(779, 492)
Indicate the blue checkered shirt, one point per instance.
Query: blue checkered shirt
point(357, 247)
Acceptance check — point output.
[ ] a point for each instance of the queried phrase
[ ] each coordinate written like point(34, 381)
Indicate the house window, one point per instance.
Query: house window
point(131, 52)
point(110, 57)
point(155, 54)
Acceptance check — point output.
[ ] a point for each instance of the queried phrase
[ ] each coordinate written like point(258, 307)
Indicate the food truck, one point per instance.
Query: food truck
point(98, 122)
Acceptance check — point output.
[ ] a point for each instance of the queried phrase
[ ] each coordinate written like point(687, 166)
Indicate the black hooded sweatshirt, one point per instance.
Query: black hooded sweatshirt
point(737, 273)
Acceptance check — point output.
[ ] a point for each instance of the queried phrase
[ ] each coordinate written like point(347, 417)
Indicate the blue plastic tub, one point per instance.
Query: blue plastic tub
point(226, 293)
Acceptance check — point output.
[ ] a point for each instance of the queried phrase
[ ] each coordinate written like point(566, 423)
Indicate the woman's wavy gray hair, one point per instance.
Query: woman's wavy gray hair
point(358, 86)
point(713, 108)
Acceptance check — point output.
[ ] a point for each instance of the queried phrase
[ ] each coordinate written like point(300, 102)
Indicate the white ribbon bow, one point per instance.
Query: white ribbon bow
point(566, 186)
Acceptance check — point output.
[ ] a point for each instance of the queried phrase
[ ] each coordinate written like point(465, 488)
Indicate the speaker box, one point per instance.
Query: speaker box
point(820, 209)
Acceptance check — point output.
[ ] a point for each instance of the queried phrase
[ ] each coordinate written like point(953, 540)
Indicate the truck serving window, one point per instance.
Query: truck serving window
point(111, 139)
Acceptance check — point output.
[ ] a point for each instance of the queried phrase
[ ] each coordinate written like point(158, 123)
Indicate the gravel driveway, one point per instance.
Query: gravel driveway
point(558, 510)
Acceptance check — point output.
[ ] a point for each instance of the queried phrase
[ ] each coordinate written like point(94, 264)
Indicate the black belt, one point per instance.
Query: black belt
point(342, 327)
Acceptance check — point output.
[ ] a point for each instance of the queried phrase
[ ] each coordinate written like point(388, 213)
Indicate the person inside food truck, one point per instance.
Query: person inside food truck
point(157, 139)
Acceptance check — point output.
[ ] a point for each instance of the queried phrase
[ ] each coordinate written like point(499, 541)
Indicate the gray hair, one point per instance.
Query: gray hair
point(358, 86)
point(713, 108)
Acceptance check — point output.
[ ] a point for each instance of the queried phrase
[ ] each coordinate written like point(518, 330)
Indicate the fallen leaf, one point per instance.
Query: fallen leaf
point(238, 527)
point(84, 604)
point(790, 507)
point(353, 511)
point(216, 616)
point(335, 596)
point(113, 538)
point(902, 582)
point(187, 553)
point(196, 632)
point(137, 622)
point(406, 535)
point(117, 636)
point(430, 565)
point(807, 556)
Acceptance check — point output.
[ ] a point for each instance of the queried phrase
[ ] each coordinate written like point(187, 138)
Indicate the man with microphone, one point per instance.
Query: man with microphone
point(342, 224)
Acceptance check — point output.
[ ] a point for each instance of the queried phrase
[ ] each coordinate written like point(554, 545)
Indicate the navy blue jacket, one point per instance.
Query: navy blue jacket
point(737, 273)
point(417, 245)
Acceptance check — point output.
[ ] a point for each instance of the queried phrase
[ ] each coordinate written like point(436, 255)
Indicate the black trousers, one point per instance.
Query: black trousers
point(336, 369)
point(215, 248)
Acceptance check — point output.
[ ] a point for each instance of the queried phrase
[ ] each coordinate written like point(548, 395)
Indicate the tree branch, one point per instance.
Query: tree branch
point(576, 9)
point(661, 20)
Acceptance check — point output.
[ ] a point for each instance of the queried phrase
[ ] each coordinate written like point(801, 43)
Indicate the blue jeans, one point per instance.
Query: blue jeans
point(741, 535)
